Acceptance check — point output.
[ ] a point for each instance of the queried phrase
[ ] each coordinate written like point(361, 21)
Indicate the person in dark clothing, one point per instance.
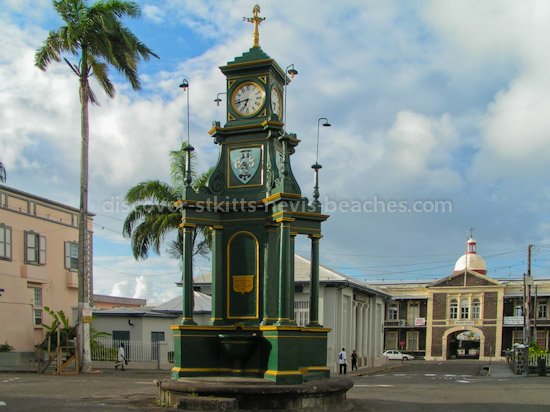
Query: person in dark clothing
point(353, 360)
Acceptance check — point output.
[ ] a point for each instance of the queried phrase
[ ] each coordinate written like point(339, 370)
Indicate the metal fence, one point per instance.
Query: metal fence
point(106, 349)
point(532, 360)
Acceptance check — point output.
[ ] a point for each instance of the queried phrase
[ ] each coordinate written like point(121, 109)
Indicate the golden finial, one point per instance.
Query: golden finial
point(256, 19)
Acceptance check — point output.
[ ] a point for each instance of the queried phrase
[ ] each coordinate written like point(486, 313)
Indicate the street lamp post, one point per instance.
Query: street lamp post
point(218, 99)
point(291, 72)
point(188, 148)
point(317, 166)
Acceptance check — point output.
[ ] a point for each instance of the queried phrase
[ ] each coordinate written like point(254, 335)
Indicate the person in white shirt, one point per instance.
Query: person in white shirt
point(121, 357)
point(342, 360)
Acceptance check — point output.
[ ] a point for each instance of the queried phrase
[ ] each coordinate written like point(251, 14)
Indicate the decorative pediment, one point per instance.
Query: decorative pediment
point(464, 279)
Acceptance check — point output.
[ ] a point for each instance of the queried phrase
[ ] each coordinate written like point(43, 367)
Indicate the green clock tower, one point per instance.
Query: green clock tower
point(254, 208)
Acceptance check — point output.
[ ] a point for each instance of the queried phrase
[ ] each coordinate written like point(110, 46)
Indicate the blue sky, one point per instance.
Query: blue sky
point(430, 101)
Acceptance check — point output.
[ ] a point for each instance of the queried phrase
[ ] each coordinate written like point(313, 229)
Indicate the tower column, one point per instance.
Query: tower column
point(291, 278)
point(218, 302)
point(284, 271)
point(314, 282)
point(187, 276)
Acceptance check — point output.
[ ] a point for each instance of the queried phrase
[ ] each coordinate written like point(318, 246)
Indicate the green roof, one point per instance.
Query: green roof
point(254, 54)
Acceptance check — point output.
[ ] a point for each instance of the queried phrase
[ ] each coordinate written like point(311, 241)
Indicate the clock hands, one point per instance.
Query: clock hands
point(242, 100)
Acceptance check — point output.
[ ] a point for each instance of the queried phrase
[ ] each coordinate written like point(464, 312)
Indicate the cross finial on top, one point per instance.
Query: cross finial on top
point(471, 233)
point(256, 20)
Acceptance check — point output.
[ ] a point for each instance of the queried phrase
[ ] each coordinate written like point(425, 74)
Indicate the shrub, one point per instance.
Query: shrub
point(6, 347)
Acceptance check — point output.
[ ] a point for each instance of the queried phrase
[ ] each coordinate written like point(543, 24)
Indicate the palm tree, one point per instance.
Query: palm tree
point(2, 173)
point(98, 39)
point(154, 214)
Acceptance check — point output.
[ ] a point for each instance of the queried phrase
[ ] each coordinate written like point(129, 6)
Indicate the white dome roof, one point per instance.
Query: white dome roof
point(475, 263)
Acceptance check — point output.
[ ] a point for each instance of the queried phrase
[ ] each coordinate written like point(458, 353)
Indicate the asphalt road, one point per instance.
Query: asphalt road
point(414, 386)
point(449, 386)
point(105, 391)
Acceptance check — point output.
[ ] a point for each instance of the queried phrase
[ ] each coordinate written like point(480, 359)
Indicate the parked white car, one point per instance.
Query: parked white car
point(395, 354)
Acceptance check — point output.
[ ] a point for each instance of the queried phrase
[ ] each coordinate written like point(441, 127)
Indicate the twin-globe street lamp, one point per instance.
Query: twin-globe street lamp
point(188, 148)
point(317, 166)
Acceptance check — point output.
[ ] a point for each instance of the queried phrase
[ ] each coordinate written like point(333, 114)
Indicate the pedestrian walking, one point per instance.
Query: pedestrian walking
point(121, 358)
point(354, 360)
point(342, 361)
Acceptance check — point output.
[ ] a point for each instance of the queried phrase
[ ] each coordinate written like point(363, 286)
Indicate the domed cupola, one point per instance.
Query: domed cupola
point(471, 260)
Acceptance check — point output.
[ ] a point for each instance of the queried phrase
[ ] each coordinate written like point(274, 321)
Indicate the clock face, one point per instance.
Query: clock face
point(276, 101)
point(248, 99)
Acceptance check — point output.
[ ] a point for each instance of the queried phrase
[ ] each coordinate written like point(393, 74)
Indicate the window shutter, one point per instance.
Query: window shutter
point(68, 255)
point(28, 241)
point(8, 242)
point(42, 242)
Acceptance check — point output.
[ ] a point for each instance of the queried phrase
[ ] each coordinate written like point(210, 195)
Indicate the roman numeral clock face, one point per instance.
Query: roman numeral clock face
point(248, 99)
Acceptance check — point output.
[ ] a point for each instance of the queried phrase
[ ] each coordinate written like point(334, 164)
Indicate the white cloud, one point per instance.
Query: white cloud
point(154, 13)
point(141, 289)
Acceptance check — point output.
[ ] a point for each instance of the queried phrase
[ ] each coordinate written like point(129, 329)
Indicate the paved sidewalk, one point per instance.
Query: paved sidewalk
point(372, 370)
point(501, 370)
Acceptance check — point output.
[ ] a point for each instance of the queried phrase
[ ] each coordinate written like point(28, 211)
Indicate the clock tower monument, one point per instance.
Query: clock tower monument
point(254, 208)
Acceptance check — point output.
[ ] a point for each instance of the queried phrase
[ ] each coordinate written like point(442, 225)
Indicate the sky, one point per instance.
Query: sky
point(441, 105)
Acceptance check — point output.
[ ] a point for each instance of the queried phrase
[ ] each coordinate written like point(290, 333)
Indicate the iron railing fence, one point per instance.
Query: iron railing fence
point(106, 349)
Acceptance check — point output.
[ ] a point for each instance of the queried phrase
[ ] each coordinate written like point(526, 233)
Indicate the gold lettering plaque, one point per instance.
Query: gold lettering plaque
point(243, 283)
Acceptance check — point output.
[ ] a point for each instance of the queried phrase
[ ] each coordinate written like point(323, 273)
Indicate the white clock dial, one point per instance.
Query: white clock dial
point(276, 101)
point(248, 99)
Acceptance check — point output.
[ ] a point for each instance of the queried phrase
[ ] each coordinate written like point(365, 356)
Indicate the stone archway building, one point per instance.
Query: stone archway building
point(423, 319)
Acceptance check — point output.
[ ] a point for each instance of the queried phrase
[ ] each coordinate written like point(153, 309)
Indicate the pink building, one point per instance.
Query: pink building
point(38, 265)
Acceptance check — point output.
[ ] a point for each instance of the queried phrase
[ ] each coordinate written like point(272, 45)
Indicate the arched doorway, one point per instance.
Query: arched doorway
point(463, 343)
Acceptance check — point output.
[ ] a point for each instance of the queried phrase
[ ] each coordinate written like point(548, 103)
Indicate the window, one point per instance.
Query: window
point(518, 309)
point(37, 316)
point(5, 242)
point(541, 313)
point(37, 297)
point(391, 340)
point(71, 255)
point(413, 312)
point(35, 248)
point(412, 341)
point(301, 312)
point(37, 305)
point(542, 339)
point(393, 312)
point(517, 336)
point(31, 207)
point(453, 309)
point(476, 306)
point(464, 309)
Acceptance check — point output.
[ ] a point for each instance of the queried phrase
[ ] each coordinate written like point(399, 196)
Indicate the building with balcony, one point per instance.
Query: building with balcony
point(465, 315)
point(38, 265)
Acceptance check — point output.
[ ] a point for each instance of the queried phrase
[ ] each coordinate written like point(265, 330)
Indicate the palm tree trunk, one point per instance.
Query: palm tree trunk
point(83, 248)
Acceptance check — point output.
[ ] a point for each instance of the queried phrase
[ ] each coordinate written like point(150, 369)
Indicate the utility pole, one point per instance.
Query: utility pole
point(535, 314)
point(527, 284)
point(525, 312)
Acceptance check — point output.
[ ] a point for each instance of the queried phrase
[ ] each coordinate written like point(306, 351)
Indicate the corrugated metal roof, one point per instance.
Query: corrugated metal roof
point(202, 304)
point(132, 312)
point(171, 309)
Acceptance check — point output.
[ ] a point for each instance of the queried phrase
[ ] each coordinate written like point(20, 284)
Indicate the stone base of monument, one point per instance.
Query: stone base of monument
point(235, 393)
